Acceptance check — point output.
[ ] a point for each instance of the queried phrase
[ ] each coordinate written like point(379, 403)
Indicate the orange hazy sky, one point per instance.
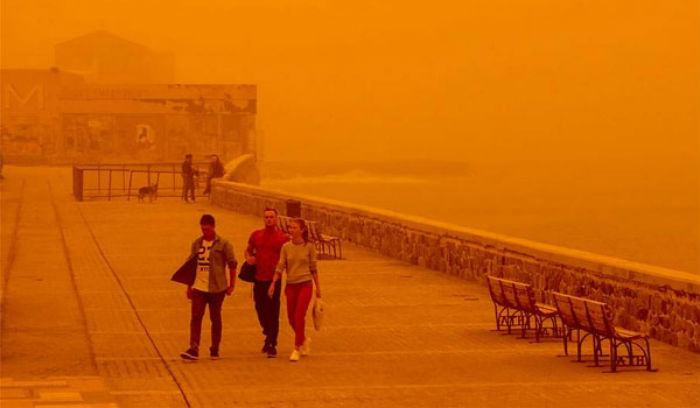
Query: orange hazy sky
point(441, 79)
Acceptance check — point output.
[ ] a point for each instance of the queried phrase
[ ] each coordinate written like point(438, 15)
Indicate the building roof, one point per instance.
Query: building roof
point(104, 38)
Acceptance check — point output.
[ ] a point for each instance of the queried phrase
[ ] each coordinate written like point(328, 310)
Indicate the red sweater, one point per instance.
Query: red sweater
point(266, 245)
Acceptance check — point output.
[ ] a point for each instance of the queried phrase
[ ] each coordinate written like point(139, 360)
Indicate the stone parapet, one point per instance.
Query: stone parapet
point(662, 302)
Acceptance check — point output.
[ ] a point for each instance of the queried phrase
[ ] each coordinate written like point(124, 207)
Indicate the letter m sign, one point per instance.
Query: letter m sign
point(13, 99)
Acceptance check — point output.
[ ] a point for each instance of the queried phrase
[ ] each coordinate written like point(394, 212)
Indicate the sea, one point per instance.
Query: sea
point(639, 210)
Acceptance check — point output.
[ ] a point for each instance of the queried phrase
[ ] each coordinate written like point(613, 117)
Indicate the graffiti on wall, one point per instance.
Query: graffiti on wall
point(78, 122)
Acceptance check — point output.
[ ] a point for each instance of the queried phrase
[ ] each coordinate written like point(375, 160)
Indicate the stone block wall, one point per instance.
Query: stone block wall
point(662, 302)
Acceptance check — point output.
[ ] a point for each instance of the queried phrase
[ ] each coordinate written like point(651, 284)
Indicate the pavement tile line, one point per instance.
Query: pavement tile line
point(71, 271)
point(55, 391)
point(472, 385)
point(43, 331)
point(11, 249)
point(135, 311)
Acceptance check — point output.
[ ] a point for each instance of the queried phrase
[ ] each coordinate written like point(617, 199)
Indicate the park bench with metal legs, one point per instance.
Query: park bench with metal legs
point(324, 241)
point(505, 314)
point(515, 306)
point(283, 223)
point(595, 319)
point(570, 313)
point(324, 244)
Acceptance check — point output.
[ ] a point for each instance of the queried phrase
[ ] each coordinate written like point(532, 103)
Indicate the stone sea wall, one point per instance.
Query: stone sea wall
point(662, 302)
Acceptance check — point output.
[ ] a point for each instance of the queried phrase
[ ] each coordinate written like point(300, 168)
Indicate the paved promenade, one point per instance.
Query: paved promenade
point(90, 319)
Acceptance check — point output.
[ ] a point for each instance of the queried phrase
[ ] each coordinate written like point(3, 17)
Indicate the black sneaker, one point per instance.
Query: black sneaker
point(191, 354)
point(271, 352)
point(214, 354)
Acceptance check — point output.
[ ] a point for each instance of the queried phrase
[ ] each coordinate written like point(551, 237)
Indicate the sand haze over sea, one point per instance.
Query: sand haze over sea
point(636, 210)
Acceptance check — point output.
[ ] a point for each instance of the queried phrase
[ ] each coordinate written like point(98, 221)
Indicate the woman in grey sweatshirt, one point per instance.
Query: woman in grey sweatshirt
point(298, 259)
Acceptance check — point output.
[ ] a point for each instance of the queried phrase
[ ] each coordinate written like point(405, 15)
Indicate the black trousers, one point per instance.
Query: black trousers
point(268, 309)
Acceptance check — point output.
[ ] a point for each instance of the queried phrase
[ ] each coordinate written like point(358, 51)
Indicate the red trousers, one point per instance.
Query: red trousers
point(298, 299)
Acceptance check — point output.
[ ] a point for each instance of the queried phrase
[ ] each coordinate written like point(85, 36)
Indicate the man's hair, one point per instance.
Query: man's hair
point(187, 156)
point(270, 209)
point(207, 219)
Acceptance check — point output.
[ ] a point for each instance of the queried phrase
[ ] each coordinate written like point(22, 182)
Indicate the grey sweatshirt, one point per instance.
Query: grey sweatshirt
point(298, 260)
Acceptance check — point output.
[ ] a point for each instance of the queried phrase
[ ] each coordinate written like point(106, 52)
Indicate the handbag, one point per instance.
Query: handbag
point(317, 313)
point(247, 272)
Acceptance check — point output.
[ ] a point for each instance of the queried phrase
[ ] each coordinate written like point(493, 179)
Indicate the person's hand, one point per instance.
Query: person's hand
point(271, 290)
point(189, 292)
point(229, 290)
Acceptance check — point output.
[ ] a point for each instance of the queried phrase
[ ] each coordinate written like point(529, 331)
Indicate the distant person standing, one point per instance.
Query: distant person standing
point(263, 250)
point(216, 170)
point(211, 285)
point(188, 174)
point(298, 259)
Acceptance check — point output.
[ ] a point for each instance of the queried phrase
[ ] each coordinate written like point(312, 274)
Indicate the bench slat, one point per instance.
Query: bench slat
point(629, 334)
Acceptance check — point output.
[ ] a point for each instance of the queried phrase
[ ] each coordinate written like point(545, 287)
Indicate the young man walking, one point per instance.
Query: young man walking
point(211, 285)
point(264, 246)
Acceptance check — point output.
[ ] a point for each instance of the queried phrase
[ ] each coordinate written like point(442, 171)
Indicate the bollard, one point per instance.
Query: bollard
point(78, 183)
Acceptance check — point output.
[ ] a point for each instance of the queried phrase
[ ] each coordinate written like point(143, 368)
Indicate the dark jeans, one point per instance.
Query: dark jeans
point(187, 187)
point(268, 309)
point(199, 303)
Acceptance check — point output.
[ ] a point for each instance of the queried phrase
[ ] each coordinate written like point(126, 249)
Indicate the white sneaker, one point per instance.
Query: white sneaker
point(306, 347)
point(294, 356)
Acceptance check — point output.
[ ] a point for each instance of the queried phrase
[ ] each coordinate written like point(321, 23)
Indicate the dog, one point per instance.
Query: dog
point(150, 191)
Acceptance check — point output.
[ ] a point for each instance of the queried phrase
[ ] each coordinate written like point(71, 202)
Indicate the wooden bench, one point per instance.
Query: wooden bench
point(332, 243)
point(515, 305)
point(283, 223)
point(325, 244)
point(596, 320)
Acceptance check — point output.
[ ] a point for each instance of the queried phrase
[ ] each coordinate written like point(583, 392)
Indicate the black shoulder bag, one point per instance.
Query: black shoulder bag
point(247, 273)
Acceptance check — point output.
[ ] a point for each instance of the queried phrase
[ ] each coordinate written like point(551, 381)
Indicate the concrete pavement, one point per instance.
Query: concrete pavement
point(92, 319)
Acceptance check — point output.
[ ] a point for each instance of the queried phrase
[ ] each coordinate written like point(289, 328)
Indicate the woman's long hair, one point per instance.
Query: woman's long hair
point(304, 231)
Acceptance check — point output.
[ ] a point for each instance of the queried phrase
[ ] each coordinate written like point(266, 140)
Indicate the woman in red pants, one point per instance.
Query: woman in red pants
point(298, 258)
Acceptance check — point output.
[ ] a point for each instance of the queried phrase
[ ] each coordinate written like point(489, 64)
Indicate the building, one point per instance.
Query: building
point(50, 116)
point(102, 57)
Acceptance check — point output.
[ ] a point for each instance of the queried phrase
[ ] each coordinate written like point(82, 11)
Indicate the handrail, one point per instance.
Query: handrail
point(88, 179)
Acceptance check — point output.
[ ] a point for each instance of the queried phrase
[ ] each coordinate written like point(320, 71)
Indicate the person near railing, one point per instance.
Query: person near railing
point(188, 174)
point(216, 170)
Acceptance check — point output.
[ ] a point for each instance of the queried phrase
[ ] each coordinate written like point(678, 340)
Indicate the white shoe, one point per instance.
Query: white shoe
point(306, 347)
point(294, 356)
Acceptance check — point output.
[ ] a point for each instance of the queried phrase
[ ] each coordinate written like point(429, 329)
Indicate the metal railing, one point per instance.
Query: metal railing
point(97, 181)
